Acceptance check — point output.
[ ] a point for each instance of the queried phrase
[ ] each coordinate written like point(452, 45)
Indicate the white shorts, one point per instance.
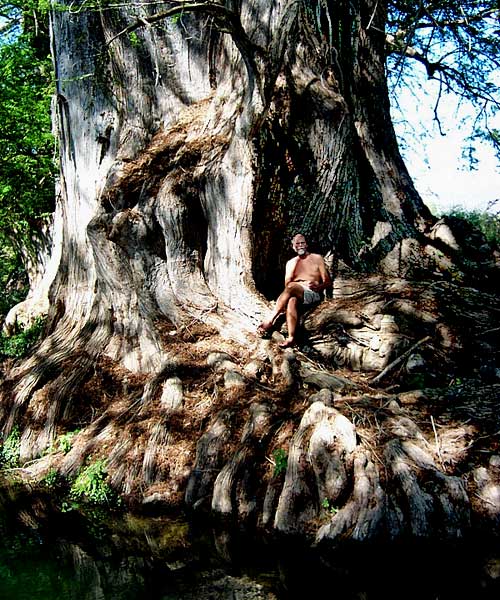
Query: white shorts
point(310, 296)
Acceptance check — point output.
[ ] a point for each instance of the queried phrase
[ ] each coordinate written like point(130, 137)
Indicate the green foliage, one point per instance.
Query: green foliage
point(92, 486)
point(27, 161)
point(456, 382)
point(13, 280)
point(9, 450)
point(488, 223)
point(64, 442)
point(280, 461)
point(175, 18)
point(416, 381)
point(52, 479)
point(134, 39)
point(329, 507)
point(27, 165)
point(20, 344)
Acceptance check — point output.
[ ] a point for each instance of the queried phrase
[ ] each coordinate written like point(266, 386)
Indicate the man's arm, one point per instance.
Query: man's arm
point(290, 270)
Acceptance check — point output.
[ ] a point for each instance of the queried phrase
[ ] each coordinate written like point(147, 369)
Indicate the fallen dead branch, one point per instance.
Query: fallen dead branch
point(400, 359)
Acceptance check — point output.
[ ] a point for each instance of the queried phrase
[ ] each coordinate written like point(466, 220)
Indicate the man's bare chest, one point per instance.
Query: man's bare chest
point(305, 269)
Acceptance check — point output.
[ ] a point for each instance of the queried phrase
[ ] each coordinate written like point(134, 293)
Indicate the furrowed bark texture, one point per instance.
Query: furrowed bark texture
point(192, 147)
point(338, 487)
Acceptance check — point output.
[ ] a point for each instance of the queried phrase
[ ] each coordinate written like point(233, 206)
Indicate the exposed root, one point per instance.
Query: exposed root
point(363, 516)
point(209, 452)
point(228, 495)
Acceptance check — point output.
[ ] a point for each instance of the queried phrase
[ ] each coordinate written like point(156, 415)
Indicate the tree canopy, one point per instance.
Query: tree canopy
point(458, 46)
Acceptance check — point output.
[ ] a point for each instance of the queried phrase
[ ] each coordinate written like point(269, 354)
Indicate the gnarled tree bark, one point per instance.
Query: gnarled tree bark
point(191, 148)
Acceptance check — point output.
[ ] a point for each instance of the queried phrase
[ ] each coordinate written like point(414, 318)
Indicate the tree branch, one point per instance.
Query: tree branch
point(217, 10)
point(399, 360)
point(467, 20)
point(410, 52)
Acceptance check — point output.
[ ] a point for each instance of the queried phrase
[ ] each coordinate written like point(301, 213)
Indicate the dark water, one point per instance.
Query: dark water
point(46, 554)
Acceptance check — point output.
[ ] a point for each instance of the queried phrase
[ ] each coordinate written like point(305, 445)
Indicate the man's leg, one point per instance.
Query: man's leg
point(292, 316)
point(292, 290)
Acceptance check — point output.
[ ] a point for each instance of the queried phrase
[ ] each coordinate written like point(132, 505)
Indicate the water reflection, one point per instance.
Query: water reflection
point(92, 555)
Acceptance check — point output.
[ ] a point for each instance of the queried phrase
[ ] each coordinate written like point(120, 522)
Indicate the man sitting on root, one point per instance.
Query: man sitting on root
point(305, 277)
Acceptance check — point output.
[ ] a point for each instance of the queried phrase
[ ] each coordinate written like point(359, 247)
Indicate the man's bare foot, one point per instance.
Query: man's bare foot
point(288, 343)
point(264, 329)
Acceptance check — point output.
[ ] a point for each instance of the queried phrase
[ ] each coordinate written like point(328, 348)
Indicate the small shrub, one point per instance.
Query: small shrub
point(134, 39)
point(329, 507)
point(10, 449)
point(13, 277)
point(20, 344)
point(280, 461)
point(92, 486)
point(64, 442)
point(486, 222)
point(416, 381)
point(52, 479)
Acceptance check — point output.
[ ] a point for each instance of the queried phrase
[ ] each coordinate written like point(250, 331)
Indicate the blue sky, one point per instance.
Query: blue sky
point(447, 181)
point(442, 176)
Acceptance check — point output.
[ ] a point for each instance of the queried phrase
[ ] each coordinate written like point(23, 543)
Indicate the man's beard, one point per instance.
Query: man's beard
point(301, 252)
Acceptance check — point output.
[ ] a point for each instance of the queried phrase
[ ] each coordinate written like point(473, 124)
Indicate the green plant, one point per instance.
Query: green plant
point(329, 507)
point(13, 277)
point(174, 19)
point(10, 449)
point(135, 40)
point(456, 382)
point(64, 442)
point(486, 222)
point(27, 162)
point(280, 461)
point(92, 485)
point(416, 381)
point(20, 344)
point(52, 478)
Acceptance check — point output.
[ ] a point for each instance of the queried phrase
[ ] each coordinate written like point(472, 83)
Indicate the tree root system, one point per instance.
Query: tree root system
point(381, 426)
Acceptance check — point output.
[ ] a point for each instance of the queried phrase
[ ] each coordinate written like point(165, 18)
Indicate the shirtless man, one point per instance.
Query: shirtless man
point(305, 277)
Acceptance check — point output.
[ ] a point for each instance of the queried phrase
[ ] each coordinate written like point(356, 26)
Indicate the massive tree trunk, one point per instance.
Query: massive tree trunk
point(190, 154)
point(193, 144)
